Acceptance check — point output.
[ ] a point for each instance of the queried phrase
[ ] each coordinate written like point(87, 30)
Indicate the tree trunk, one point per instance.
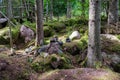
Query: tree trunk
point(26, 7)
point(47, 6)
point(9, 18)
point(51, 9)
point(68, 9)
point(94, 51)
point(39, 23)
point(113, 12)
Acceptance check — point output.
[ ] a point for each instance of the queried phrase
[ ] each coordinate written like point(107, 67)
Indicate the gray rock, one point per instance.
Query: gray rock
point(26, 33)
point(112, 60)
point(2, 20)
point(74, 35)
point(43, 49)
point(28, 50)
point(110, 36)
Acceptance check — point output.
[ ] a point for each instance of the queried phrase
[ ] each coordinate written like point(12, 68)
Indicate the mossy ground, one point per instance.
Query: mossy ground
point(68, 60)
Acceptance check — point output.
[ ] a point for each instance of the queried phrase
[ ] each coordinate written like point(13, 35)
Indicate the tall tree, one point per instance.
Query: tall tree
point(51, 9)
point(9, 9)
point(47, 6)
point(39, 23)
point(68, 9)
point(94, 51)
point(113, 12)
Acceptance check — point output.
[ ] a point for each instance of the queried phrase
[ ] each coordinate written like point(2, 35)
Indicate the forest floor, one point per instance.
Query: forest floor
point(12, 67)
point(20, 66)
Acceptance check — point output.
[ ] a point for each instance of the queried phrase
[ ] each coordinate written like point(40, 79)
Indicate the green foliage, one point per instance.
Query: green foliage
point(98, 64)
point(118, 36)
point(70, 22)
point(76, 22)
point(15, 32)
point(80, 8)
point(57, 26)
point(115, 48)
point(83, 43)
point(51, 62)
point(30, 25)
point(3, 40)
point(48, 31)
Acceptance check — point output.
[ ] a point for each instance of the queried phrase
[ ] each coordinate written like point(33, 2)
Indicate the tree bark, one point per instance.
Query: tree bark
point(94, 50)
point(26, 7)
point(39, 23)
point(47, 10)
point(51, 9)
point(113, 17)
point(68, 9)
point(9, 18)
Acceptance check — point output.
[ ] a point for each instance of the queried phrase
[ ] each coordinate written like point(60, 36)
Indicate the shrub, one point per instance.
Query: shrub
point(48, 31)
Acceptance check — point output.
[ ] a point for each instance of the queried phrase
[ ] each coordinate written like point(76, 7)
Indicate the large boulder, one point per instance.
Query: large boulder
point(3, 22)
point(112, 61)
point(72, 48)
point(110, 43)
point(111, 51)
point(110, 37)
point(26, 33)
point(50, 62)
point(74, 35)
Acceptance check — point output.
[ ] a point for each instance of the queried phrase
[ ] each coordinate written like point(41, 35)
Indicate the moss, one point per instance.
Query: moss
point(4, 31)
point(83, 42)
point(30, 25)
point(118, 36)
point(70, 22)
point(48, 31)
point(57, 26)
point(51, 62)
point(110, 45)
point(3, 40)
point(72, 47)
point(15, 33)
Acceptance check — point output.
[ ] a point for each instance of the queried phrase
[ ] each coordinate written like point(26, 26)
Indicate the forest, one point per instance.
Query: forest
point(59, 39)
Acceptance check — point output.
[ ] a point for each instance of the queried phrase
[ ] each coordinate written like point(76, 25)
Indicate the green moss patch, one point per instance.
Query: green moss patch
point(48, 31)
point(110, 46)
point(41, 64)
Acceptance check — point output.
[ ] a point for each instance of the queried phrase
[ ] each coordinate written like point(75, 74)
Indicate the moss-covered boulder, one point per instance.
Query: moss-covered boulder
point(80, 74)
point(71, 47)
point(54, 61)
point(110, 43)
point(76, 46)
point(111, 51)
